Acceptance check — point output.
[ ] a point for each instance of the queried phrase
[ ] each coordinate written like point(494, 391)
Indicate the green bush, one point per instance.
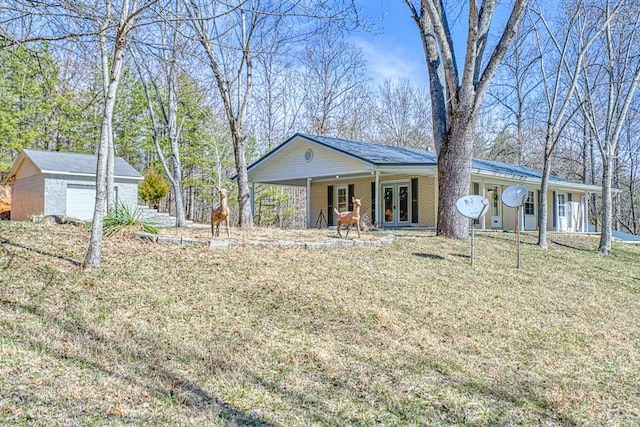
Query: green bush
point(125, 220)
point(153, 188)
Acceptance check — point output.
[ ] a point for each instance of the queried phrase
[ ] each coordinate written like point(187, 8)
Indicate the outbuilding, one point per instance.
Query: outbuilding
point(58, 183)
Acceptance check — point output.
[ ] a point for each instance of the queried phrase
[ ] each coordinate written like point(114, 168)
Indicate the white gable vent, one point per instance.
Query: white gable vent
point(308, 155)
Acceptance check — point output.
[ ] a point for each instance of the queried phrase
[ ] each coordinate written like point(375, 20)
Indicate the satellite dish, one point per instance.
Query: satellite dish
point(472, 206)
point(514, 196)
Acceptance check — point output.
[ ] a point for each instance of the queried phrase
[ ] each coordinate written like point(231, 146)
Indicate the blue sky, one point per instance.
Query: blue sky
point(394, 50)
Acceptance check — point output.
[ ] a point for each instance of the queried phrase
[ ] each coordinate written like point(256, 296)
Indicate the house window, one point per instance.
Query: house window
point(530, 205)
point(561, 205)
point(342, 201)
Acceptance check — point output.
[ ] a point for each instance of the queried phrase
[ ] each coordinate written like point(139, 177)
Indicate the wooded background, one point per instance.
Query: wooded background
point(199, 80)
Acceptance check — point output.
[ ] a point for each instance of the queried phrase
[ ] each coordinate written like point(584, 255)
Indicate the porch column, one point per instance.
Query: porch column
point(308, 202)
point(585, 213)
point(253, 200)
point(377, 201)
point(484, 194)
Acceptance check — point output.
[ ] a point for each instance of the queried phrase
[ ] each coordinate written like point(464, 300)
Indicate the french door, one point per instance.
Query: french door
point(496, 207)
point(561, 209)
point(530, 209)
point(396, 205)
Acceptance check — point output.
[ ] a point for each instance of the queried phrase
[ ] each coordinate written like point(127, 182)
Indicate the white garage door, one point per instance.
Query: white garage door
point(81, 200)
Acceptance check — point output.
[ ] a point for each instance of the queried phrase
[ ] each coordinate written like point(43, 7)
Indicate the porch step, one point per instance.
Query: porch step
point(158, 219)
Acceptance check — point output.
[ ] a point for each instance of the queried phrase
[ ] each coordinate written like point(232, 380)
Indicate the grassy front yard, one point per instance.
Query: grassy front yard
point(400, 334)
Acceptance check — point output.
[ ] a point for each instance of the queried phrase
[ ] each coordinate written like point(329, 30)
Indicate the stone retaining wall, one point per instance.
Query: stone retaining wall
point(219, 244)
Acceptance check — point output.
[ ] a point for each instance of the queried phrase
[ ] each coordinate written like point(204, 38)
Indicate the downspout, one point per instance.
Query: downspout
point(377, 201)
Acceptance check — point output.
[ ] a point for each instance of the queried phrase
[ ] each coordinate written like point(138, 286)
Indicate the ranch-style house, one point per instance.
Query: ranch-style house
point(398, 186)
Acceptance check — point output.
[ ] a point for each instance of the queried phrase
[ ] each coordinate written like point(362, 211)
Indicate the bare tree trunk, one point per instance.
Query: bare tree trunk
point(174, 173)
point(561, 87)
point(543, 206)
point(94, 253)
point(111, 188)
point(517, 85)
point(170, 122)
point(244, 196)
point(519, 129)
point(456, 99)
point(616, 184)
point(174, 138)
point(105, 81)
point(616, 86)
point(235, 91)
point(585, 145)
point(632, 201)
point(605, 235)
point(127, 18)
point(594, 197)
point(633, 167)
point(454, 174)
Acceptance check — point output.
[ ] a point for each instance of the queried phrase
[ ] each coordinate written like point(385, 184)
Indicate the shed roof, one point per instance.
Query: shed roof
point(62, 163)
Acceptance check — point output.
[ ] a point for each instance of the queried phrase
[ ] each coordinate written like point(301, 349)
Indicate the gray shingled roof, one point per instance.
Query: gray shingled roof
point(74, 163)
point(387, 155)
point(509, 169)
point(378, 154)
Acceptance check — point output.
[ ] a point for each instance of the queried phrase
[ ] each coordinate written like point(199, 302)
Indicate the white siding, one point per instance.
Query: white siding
point(127, 192)
point(56, 188)
point(290, 163)
point(56, 192)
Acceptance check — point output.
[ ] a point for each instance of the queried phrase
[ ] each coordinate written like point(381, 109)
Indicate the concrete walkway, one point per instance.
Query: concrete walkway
point(621, 237)
point(626, 237)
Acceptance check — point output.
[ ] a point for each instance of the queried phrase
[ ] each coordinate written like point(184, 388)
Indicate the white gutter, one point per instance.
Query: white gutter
point(89, 175)
point(377, 201)
point(552, 183)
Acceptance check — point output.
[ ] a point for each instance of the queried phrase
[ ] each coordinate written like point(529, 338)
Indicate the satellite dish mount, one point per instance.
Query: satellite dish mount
point(515, 196)
point(473, 207)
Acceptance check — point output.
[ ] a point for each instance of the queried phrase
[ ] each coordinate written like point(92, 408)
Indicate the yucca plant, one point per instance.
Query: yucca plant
point(125, 220)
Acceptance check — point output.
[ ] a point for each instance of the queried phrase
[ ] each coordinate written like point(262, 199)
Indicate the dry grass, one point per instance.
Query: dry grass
point(402, 334)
